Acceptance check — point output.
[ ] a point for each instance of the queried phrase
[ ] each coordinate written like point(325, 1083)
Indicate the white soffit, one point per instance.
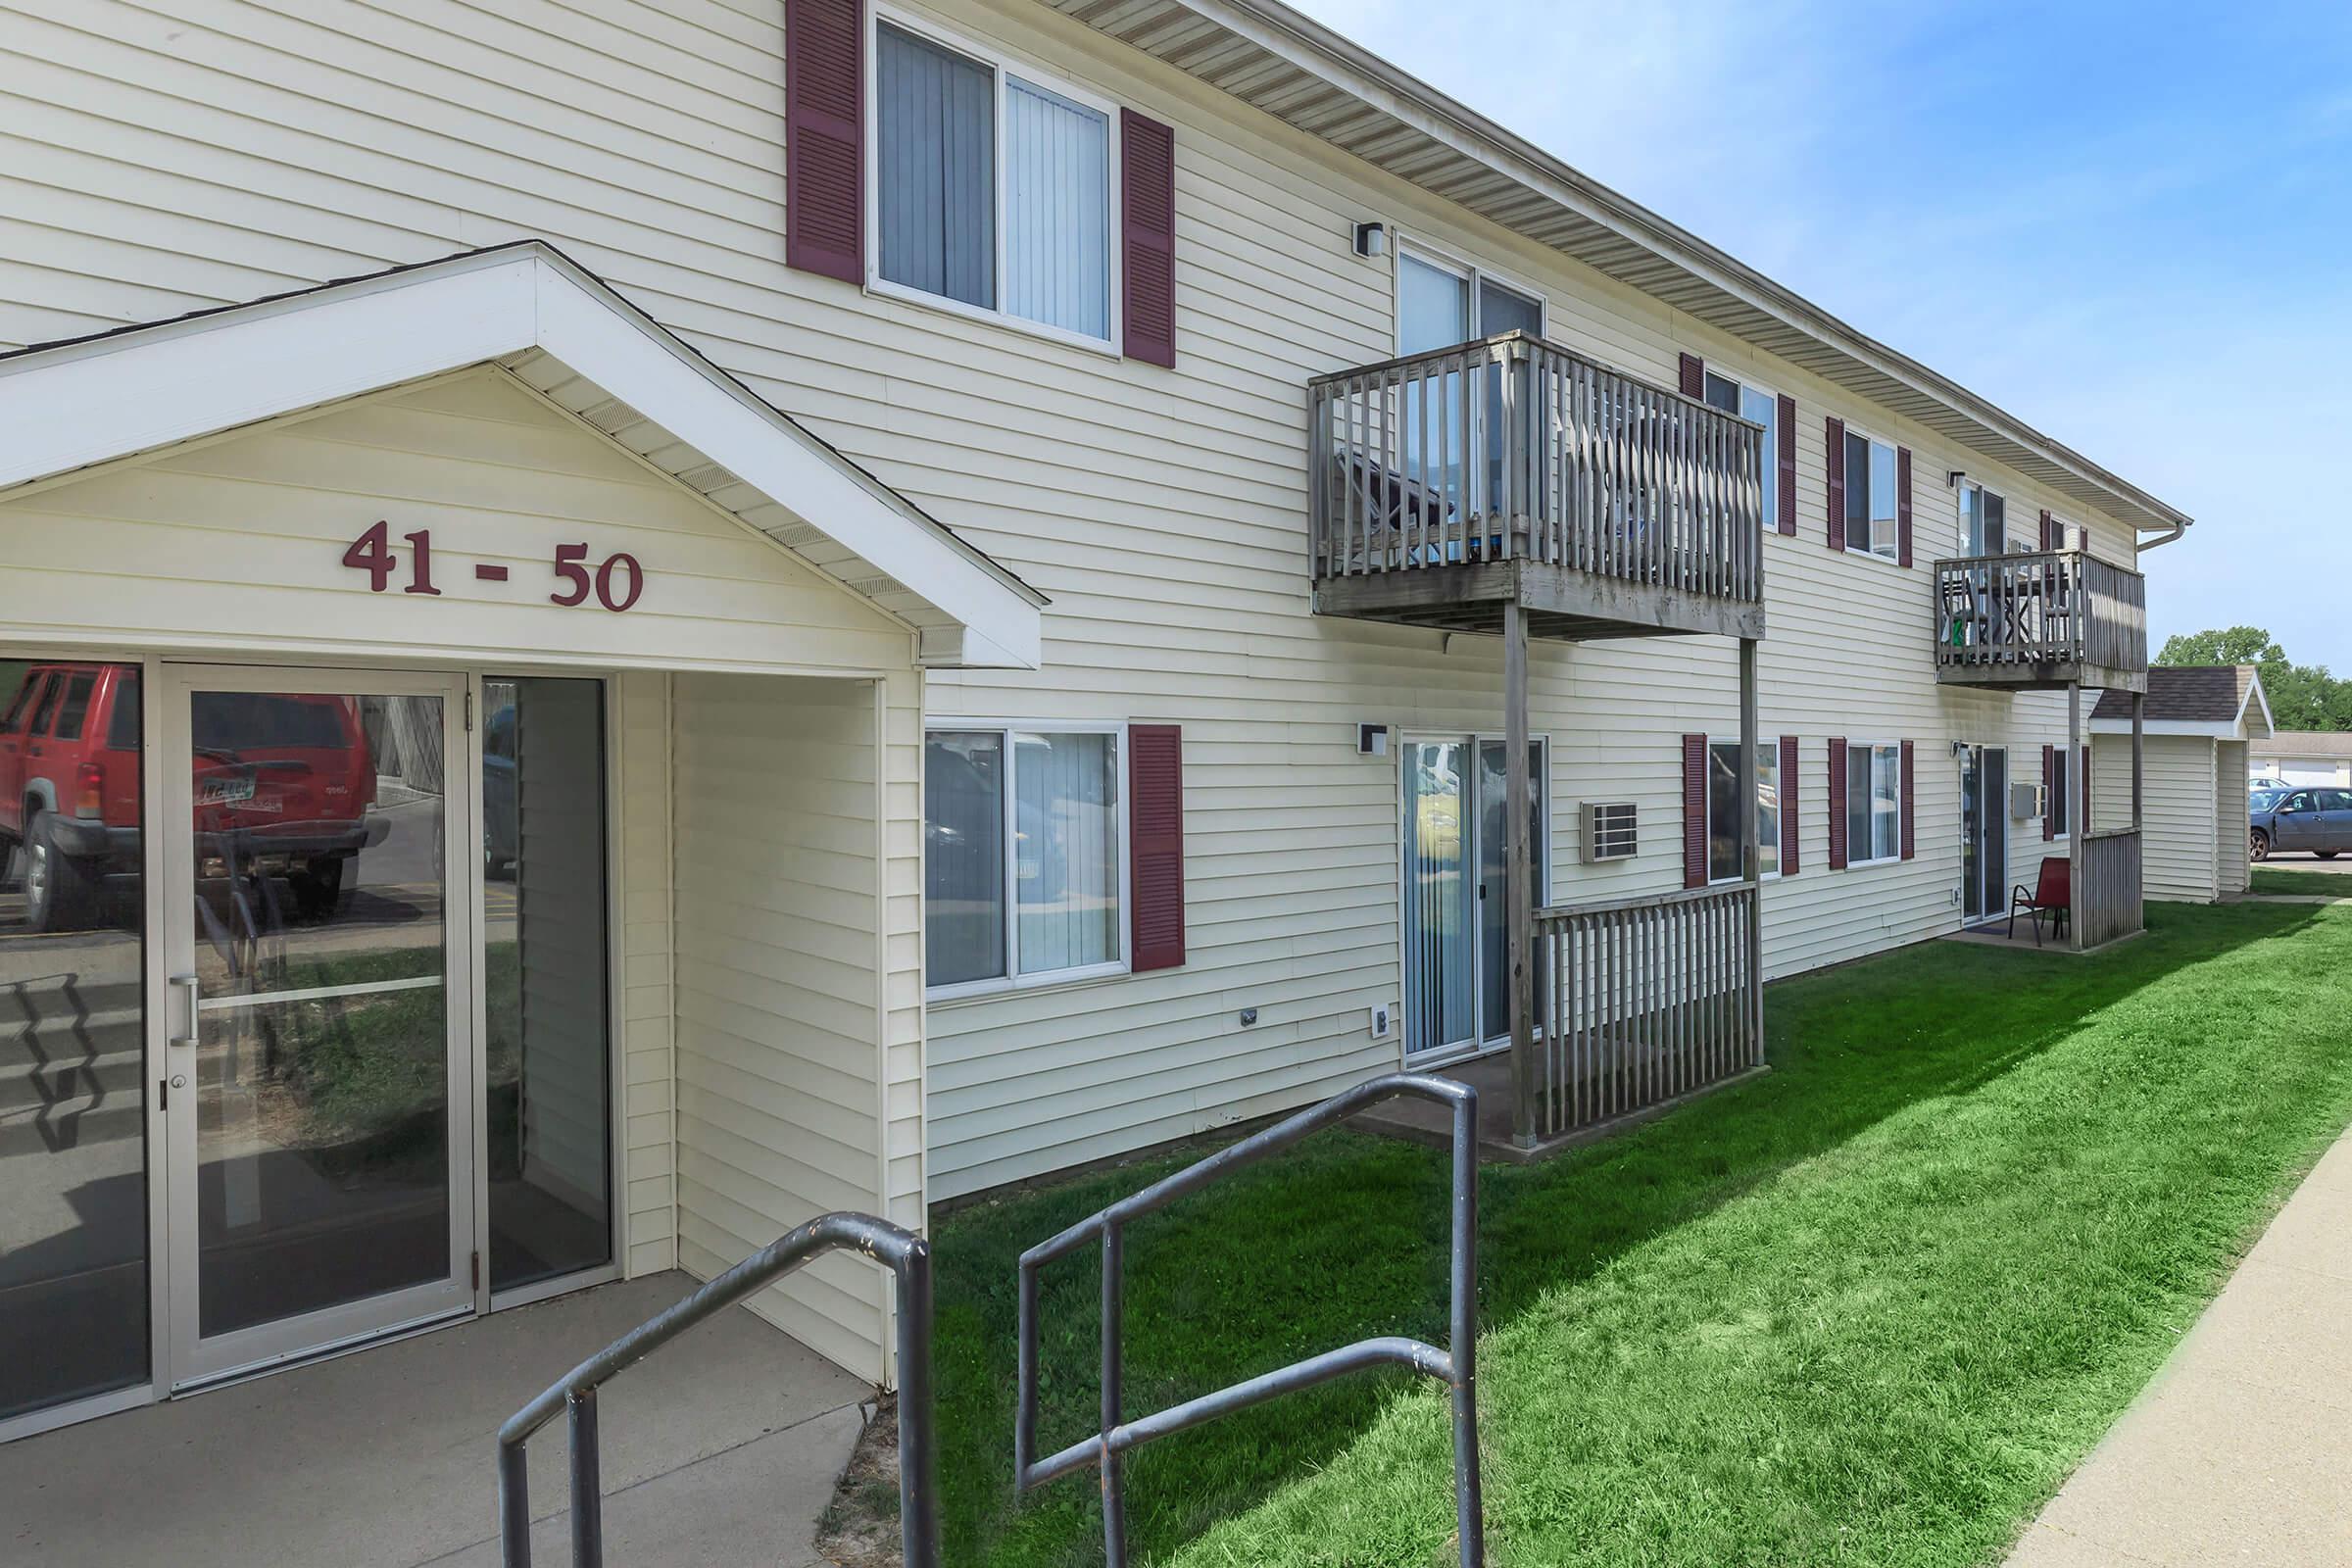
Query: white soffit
point(1299, 71)
point(528, 307)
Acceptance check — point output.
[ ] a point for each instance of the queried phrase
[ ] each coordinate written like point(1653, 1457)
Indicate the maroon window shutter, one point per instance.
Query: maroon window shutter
point(1837, 805)
point(1694, 376)
point(2084, 787)
point(824, 137)
point(1908, 845)
point(1147, 233)
point(2050, 787)
point(1903, 507)
point(1155, 846)
point(1790, 824)
point(1694, 810)
point(1788, 438)
point(2045, 530)
point(1836, 470)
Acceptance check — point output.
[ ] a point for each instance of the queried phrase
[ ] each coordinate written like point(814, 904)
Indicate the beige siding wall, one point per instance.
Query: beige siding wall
point(2229, 817)
point(648, 1067)
point(1163, 512)
point(784, 870)
point(2179, 809)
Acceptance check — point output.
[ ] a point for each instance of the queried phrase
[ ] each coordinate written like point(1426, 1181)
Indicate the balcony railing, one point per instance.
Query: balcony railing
point(2054, 614)
point(2107, 888)
point(1516, 449)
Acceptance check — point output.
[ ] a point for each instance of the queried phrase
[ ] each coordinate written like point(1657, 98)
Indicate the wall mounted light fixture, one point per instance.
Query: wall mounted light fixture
point(1372, 240)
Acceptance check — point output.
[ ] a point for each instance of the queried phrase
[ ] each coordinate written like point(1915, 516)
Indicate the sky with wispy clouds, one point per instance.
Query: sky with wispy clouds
point(2128, 224)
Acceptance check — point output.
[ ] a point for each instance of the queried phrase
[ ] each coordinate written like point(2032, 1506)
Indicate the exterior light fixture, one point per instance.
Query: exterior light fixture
point(1372, 240)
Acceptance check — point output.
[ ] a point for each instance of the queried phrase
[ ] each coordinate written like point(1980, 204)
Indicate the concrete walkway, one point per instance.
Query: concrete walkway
point(722, 1449)
point(2240, 1452)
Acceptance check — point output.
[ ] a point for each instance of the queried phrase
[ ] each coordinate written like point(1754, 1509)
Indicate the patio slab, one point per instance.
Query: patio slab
point(724, 1447)
point(2240, 1450)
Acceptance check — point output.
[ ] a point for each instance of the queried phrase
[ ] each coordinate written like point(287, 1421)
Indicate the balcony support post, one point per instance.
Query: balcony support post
point(1752, 856)
point(1518, 881)
point(2077, 812)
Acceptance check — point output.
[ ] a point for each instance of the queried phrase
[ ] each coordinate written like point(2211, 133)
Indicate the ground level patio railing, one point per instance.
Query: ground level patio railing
point(1640, 1001)
point(2107, 887)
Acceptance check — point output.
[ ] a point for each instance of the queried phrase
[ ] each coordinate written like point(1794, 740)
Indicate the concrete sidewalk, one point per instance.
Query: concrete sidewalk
point(2240, 1450)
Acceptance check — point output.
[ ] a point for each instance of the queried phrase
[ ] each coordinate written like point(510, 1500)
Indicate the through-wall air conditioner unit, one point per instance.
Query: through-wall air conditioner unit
point(2025, 802)
point(1608, 830)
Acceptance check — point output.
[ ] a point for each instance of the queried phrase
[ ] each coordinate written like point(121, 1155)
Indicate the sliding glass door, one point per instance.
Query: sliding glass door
point(1456, 912)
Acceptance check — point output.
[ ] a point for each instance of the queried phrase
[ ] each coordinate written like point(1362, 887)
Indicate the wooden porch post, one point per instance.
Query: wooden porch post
point(2077, 814)
point(1518, 882)
point(1752, 855)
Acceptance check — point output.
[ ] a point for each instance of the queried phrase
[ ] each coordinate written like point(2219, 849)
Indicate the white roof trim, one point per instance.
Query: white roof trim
point(68, 405)
point(2256, 701)
point(1268, 55)
point(2254, 695)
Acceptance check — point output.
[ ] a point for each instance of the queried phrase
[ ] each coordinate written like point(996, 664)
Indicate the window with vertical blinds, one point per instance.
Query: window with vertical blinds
point(1025, 839)
point(990, 189)
point(1056, 210)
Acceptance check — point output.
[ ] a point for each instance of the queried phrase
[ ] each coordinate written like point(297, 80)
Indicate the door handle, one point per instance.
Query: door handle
point(189, 982)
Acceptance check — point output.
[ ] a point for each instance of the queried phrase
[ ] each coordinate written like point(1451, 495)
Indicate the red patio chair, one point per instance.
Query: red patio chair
point(2052, 894)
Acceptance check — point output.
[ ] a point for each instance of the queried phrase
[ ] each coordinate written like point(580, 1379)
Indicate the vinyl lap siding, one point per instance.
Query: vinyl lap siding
point(2178, 809)
point(779, 1061)
point(1163, 512)
point(648, 1067)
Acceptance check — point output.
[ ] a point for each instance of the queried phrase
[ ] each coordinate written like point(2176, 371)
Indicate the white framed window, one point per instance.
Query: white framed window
point(1723, 802)
point(1024, 854)
point(1442, 302)
point(1760, 404)
point(1870, 496)
point(992, 188)
point(1983, 520)
point(2061, 803)
point(1874, 803)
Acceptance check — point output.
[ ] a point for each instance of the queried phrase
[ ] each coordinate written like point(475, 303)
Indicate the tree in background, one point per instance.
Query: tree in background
point(2303, 697)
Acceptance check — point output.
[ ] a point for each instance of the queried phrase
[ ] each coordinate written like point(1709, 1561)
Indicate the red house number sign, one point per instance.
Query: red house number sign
point(614, 582)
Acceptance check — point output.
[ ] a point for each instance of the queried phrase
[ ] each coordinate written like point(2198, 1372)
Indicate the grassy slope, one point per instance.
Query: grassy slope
point(1867, 1309)
point(2276, 879)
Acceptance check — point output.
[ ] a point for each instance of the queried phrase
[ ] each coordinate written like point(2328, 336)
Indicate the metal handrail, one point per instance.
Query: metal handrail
point(1455, 1365)
point(909, 1258)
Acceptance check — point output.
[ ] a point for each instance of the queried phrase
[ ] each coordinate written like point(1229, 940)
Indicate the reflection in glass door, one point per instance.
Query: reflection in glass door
point(1456, 917)
point(319, 966)
point(1983, 831)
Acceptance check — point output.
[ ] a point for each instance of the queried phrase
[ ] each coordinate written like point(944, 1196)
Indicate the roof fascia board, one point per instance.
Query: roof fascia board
point(1310, 47)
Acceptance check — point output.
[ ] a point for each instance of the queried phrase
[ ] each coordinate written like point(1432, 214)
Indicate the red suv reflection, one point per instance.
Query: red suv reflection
point(283, 783)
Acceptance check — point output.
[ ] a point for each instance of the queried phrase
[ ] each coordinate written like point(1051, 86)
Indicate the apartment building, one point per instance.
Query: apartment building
point(1094, 571)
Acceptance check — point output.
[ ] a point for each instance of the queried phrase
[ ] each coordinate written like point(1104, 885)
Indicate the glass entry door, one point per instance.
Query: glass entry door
point(317, 949)
point(1456, 916)
point(1983, 832)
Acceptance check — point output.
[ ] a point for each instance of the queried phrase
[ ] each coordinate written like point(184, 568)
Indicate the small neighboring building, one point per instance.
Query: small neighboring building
point(2303, 757)
point(2201, 721)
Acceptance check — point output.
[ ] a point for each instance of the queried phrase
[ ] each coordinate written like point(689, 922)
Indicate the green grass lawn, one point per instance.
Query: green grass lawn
point(2279, 879)
point(1869, 1308)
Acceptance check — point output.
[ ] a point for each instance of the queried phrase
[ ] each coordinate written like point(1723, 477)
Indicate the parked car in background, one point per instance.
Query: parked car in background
point(2314, 821)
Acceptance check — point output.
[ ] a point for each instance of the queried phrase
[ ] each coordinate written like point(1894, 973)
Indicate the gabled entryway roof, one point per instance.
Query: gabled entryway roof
point(534, 311)
point(2223, 701)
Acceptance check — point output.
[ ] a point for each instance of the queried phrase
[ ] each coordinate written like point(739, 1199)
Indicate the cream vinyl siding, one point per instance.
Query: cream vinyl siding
point(640, 736)
point(2231, 823)
point(2179, 810)
point(1162, 511)
point(782, 873)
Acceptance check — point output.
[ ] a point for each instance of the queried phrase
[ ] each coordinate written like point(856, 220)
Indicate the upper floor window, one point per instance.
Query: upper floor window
point(1756, 404)
point(1870, 495)
point(1440, 304)
point(992, 189)
point(1983, 522)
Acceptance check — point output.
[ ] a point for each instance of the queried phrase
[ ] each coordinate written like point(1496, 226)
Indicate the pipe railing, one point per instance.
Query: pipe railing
point(1515, 448)
point(906, 1255)
point(1455, 1365)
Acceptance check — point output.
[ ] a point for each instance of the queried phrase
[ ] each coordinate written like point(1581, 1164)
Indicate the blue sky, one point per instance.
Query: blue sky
point(2128, 224)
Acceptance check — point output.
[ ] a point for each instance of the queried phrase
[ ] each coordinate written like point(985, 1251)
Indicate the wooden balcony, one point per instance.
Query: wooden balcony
point(1451, 483)
point(2041, 622)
